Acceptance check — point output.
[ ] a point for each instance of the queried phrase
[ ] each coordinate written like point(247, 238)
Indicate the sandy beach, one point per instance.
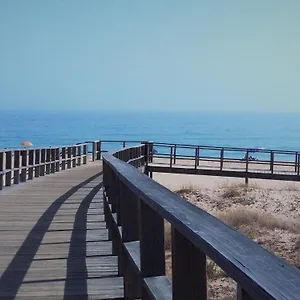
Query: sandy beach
point(266, 211)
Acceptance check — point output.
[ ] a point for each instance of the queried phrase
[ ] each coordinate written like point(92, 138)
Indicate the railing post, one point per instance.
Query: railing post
point(188, 269)
point(152, 243)
point(48, 160)
point(272, 162)
point(130, 232)
point(296, 161)
point(43, 161)
point(63, 158)
point(175, 147)
point(298, 165)
point(37, 163)
point(196, 154)
point(150, 145)
point(23, 165)
point(69, 162)
point(146, 157)
point(79, 155)
point(57, 160)
point(8, 165)
point(222, 159)
point(241, 294)
point(85, 154)
point(198, 160)
point(30, 164)
point(171, 157)
point(53, 158)
point(247, 166)
point(94, 151)
point(16, 166)
point(124, 144)
point(74, 156)
point(1, 169)
point(98, 150)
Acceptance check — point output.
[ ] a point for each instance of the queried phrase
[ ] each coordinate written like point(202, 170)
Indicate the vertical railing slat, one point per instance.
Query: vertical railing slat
point(24, 165)
point(1, 170)
point(188, 269)
point(43, 161)
point(37, 163)
point(48, 160)
point(16, 166)
point(30, 164)
point(8, 167)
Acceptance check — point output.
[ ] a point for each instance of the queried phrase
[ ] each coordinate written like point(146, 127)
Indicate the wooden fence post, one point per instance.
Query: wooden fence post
point(43, 162)
point(98, 150)
point(222, 159)
point(37, 163)
point(196, 154)
point(272, 162)
point(94, 151)
point(24, 165)
point(247, 166)
point(57, 160)
point(30, 164)
point(198, 159)
point(152, 243)
point(175, 148)
point(171, 157)
point(63, 158)
point(241, 294)
point(48, 160)
point(8, 165)
point(79, 155)
point(74, 156)
point(69, 162)
point(188, 269)
point(1, 169)
point(16, 166)
point(85, 154)
point(298, 165)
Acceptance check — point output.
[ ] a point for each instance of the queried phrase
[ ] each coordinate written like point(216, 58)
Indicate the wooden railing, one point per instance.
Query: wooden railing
point(135, 210)
point(226, 161)
point(20, 165)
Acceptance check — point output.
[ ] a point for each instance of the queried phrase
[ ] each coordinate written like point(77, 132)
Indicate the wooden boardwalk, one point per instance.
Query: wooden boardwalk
point(53, 239)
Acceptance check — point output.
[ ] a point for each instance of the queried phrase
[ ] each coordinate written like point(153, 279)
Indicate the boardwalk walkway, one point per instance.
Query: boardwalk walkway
point(53, 239)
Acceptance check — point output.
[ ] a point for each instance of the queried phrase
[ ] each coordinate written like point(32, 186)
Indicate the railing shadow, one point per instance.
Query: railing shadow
point(10, 281)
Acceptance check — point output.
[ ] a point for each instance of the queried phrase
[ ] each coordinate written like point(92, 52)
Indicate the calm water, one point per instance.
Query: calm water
point(253, 130)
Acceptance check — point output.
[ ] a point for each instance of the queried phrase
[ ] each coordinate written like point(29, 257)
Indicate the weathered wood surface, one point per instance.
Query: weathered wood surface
point(53, 239)
point(258, 273)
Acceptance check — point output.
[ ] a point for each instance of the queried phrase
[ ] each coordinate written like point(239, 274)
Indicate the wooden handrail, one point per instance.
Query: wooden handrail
point(135, 210)
point(20, 165)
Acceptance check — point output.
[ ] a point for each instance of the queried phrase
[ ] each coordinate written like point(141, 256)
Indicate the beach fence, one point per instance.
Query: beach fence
point(226, 161)
point(136, 209)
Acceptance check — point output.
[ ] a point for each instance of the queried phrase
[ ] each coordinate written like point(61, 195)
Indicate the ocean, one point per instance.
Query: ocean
point(249, 130)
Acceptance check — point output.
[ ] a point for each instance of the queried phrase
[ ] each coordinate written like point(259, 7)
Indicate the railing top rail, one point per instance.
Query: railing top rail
point(40, 148)
point(226, 148)
point(262, 274)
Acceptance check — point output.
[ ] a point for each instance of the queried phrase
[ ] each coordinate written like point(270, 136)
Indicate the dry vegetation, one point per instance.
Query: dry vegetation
point(269, 217)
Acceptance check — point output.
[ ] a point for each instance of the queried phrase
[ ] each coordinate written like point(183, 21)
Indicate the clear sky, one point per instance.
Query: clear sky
point(156, 55)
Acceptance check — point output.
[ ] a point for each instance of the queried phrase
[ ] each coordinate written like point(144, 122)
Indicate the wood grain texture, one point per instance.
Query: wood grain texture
point(54, 241)
point(261, 274)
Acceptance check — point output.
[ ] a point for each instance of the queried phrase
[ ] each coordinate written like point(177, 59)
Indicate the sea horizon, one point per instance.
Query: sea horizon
point(270, 130)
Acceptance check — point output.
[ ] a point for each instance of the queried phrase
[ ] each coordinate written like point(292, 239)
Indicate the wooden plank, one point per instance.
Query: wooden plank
point(58, 247)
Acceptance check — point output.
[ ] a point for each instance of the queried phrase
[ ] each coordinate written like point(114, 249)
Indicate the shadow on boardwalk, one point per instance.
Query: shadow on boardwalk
point(11, 280)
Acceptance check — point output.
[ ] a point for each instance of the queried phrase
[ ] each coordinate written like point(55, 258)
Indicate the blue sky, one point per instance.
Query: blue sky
point(156, 55)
